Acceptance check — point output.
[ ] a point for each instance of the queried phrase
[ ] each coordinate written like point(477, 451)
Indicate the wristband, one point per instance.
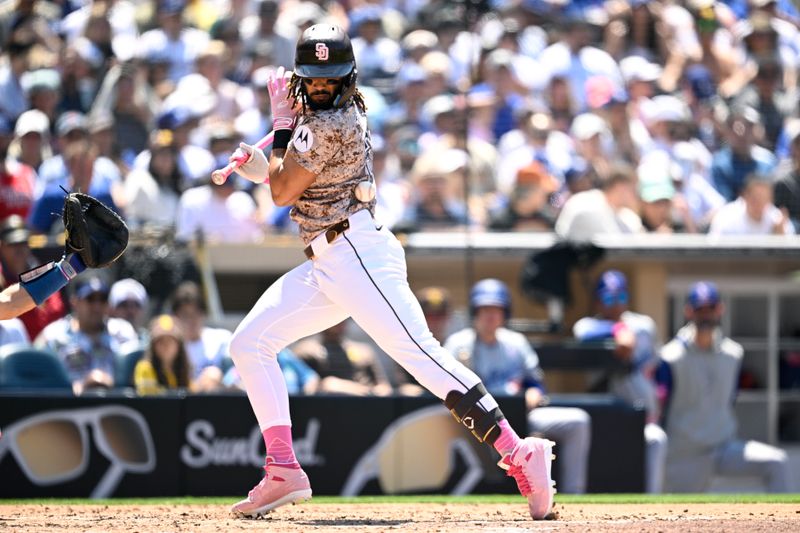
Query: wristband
point(75, 261)
point(45, 280)
point(281, 139)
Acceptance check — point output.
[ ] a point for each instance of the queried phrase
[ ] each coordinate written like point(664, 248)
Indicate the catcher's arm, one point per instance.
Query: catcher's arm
point(14, 301)
point(38, 284)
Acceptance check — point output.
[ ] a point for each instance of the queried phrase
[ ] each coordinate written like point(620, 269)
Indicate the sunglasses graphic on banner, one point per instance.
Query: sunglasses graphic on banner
point(417, 452)
point(53, 447)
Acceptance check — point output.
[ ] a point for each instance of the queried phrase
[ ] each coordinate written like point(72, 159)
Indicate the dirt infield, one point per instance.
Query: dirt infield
point(442, 518)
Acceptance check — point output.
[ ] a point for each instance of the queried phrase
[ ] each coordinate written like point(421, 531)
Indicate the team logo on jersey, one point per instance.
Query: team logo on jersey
point(322, 51)
point(303, 139)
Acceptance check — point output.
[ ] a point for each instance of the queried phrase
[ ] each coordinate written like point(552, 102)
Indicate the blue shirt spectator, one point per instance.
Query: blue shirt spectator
point(742, 156)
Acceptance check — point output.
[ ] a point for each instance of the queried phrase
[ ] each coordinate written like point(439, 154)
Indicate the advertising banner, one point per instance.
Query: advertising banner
point(210, 445)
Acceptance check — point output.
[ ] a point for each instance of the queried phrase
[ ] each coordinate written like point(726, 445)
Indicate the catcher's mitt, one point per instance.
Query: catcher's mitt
point(94, 231)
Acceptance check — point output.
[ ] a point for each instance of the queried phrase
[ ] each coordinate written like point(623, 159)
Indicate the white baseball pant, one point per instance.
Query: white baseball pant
point(361, 274)
point(571, 429)
point(693, 473)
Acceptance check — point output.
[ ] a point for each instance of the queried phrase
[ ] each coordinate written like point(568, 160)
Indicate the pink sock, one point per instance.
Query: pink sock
point(278, 440)
point(507, 440)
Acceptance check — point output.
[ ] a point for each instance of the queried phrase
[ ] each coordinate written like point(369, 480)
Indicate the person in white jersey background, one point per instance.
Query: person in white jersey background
point(321, 164)
point(698, 380)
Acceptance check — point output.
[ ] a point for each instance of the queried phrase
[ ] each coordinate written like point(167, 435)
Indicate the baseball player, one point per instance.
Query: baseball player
point(698, 379)
point(507, 364)
point(96, 237)
point(321, 163)
point(636, 346)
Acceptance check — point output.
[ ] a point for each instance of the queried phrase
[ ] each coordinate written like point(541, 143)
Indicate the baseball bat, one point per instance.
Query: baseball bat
point(221, 174)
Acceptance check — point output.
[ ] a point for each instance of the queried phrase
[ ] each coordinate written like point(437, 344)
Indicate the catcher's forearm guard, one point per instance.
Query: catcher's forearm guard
point(467, 411)
point(45, 280)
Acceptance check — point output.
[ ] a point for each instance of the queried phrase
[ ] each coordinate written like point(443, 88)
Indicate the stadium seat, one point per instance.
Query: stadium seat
point(125, 365)
point(24, 367)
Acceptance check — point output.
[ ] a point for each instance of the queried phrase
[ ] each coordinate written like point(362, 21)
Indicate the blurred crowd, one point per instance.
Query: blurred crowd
point(578, 117)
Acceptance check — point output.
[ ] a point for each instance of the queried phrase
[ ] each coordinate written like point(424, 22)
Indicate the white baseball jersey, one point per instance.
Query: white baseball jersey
point(360, 274)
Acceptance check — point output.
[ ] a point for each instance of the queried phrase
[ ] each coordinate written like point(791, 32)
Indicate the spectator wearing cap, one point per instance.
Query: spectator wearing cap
point(449, 115)
point(128, 300)
point(231, 98)
point(753, 213)
point(88, 341)
point(438, 68)
point(14, 101)
point(125, 96)
point(696, 201)
point(72, 126)
point(636, 345)
point(742, 155)
point(436, 180)
point(631, 30)
point(80, 75)
point(195, 163)
point(165, 365)
point(378, 57)
point(573, 58)
point(528, 207)
point(31, 144)
point(16, 258)
point(17, 180)
point(152, 194)
point(207, 346)
point(666, 118)
point(717, 51)
point(417, 43)
point(122, 17)
point(656, 192)
point(43, 87)
point(766, 95)
point(267, 28)
point(507, 82)
point(702, 99)
point(172, 39)
point(763, 35)
point(697, 380)
point(535, 139)
point(641, 77)
point(625, 126)
point(787, 187)
point(411, 91)
point(236, 66)
point(79, 159)
point(101, 132)
point(593, 143)
point(607, 210)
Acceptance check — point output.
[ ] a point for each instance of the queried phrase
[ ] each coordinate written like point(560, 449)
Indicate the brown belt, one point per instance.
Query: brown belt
point(330, 235)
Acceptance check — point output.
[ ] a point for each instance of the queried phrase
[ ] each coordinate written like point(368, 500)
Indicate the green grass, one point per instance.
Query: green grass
point(438, 499)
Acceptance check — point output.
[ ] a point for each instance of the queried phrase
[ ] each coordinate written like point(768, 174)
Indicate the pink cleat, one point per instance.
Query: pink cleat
point(280, 486)
point(530, 464)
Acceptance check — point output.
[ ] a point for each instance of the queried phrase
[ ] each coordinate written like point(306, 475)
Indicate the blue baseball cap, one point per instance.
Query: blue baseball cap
point(702, 294)
point(612, 288)
point(88, 286)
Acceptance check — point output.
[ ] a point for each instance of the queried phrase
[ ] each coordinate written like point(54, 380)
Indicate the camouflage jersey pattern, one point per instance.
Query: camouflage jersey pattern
point(334, 144)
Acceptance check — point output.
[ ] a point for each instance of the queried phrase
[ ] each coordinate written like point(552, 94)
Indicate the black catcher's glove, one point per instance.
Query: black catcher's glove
point(94, 232)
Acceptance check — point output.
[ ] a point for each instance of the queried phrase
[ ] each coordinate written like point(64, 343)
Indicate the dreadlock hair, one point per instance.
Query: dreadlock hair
point(348, 85)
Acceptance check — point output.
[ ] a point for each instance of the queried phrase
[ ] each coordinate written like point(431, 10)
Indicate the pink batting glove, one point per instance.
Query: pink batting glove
point(283, 112)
